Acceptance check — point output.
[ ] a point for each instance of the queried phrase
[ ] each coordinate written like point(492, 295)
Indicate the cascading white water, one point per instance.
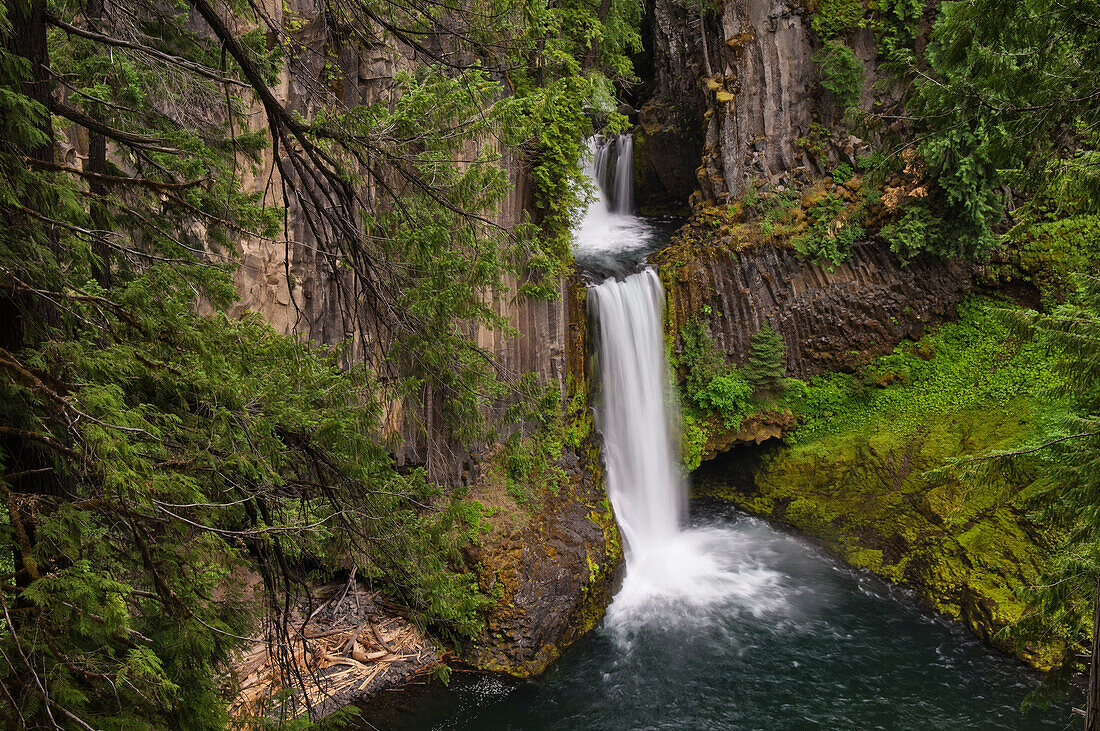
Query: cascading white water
point(610, 238)
point(670, 572)
point(615, 182)
point(643, 478)
point(624, 175)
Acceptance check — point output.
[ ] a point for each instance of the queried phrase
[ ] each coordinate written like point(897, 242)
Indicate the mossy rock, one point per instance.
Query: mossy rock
point(972, 571)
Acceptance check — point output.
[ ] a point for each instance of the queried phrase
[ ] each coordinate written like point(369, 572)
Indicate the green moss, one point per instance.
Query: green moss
point(864, 473)
point(597, 589)
point(1045, 253)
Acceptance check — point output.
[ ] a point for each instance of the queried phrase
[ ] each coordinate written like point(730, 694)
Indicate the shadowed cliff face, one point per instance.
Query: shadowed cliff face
point(737, 88)
point(732, 93)
point(829, 320)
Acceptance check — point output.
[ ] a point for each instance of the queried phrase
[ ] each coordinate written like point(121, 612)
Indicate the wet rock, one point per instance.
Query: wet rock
point(552, 579)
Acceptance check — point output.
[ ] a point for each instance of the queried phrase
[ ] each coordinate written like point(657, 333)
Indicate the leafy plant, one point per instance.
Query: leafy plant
point(815, 140)
point(729, 396)
point(841, 72)
point(843, 173)
point(917, 230)
point(830, 232)
point(897, 24)
point(698, 359)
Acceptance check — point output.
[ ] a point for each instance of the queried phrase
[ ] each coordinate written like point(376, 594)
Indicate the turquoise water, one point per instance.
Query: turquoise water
point(794, 640)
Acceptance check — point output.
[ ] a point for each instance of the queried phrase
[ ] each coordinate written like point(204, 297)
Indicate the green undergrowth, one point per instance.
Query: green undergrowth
point(717, 399)
point(973, 362)
point(863, 472)
point(528, 463)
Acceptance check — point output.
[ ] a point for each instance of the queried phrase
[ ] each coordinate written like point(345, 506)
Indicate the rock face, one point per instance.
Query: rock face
point(669, 137)
point(301, 288)
point(741, 83)
point(734, 92)
point(551, 573)
point(552, 578)
point(829, 320)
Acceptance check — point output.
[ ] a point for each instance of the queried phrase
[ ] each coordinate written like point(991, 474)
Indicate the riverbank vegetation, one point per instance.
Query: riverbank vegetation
point(865, 472)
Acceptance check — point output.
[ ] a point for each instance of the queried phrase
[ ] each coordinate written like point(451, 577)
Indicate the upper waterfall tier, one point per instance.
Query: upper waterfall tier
point(611, 240)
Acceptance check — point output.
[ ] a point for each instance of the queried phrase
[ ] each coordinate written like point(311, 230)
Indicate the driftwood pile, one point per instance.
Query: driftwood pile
point(350, 644)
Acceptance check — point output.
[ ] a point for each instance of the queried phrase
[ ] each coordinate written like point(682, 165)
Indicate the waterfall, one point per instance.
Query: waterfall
point(610, 238)
point(624, 175)
point(611, 167)
point(673, 573)
point(643, 476)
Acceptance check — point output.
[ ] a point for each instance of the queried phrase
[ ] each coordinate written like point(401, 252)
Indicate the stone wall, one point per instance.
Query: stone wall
point(300, 288)
point(830, 320)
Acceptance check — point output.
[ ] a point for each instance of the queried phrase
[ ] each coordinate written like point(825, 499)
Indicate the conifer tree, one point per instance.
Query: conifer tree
point(767, 363)
point(1065, 606)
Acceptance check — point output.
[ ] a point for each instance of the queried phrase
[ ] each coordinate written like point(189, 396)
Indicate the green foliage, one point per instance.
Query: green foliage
point(1047, 249)
point(834, 18)
point(710, 387)
point(566, 59)
point(841, 72)
point(897, 25)
point(728, 395)
point(1007, 98)
point(972, 363)
point(843, 173)
point(693, 439)
point(917, 230)
point(767, 362)
point(698, 359)
point(815, 140)
point(773, 211)
point(829, 235)
point(1068, 454)
point(531, 467)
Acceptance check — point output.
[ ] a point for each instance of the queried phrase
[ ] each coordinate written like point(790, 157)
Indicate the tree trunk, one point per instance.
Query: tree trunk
point(1092, 702)
point(97, 164)
point(27, 39)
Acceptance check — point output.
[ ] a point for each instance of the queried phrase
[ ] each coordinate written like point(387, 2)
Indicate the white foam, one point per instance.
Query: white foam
point(692, 577)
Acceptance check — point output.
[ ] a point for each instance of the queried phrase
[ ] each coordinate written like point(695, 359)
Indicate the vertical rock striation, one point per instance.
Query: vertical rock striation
point(830, 320)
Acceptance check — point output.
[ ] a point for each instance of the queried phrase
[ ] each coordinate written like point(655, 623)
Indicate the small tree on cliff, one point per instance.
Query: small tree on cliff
point(767, 361)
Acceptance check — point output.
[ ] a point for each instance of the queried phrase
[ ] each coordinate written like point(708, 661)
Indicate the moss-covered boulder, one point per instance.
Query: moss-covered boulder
point(551, 573)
